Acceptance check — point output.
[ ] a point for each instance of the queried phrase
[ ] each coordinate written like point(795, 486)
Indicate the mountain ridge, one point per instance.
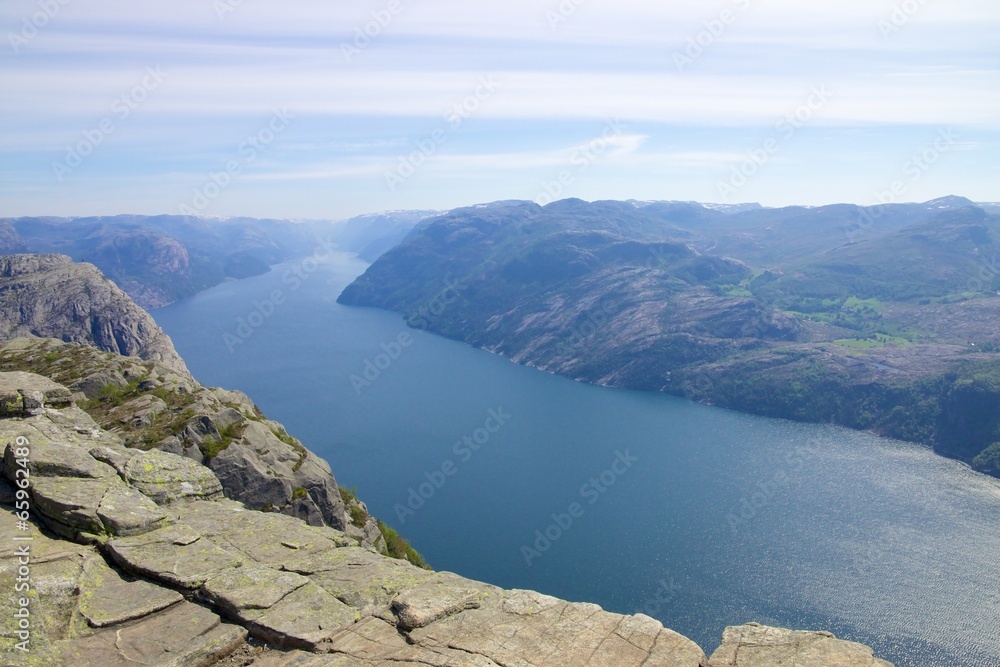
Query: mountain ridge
point(837, 331)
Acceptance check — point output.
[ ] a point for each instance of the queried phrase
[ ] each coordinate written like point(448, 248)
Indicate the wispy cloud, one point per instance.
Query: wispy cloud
point(227, 74)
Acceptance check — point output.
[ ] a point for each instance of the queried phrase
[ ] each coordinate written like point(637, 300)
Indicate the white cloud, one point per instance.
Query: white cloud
point(608, 59)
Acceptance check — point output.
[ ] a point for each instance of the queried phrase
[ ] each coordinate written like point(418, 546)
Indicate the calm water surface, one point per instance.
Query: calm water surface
point(696, 515)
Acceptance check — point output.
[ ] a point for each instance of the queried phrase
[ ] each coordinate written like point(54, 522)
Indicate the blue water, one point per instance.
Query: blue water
point(698, 516)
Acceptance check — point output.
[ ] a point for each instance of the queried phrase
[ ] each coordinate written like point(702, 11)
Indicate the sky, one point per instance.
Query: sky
point(319, 109)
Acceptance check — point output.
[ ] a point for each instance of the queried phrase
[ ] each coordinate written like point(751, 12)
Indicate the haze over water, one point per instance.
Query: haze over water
point(708, 517)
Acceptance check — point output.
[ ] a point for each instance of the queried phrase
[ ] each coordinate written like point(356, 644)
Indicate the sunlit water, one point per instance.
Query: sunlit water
point(698, 516)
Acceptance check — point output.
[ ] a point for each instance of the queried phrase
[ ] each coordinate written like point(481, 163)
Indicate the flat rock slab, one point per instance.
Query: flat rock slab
point(264, 537)
point(504, 630)
point(124, 511)
point(250, 587)
point(443, 595)
point(71, 503)
point(53, 459)
point(364, 580)
point(302, 619)
point(303, 659)
point(183, 635)
point(754, 645)
point(56, 583)
point(70, 426)
point(108, 599)
point(166, 478)
point(175, 554)
point(375, 642)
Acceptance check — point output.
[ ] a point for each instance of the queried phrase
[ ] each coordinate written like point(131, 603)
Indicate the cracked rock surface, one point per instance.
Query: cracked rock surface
point(754, 645)
point(152, 408)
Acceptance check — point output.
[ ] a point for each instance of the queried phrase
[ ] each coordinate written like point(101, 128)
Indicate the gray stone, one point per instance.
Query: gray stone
point(250, 587)
point(442, 596)
point(376, 643)
point(166, 478)
point(124, 511)
point(53, 459)
point(183, 635)
point(107, 599)
point(366, 581)
point(755, 645)
point(253, 480)
point(139, 412)
point(265, 537)
point(175, 554)
point(116, 457)
point(93, 385)
point(69, 504)
point(557, 634)
point(302, 619)
point(23, 394)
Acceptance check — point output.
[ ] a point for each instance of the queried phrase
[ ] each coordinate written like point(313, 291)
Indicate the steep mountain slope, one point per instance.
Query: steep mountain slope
point(617, 293)
point(51, 297)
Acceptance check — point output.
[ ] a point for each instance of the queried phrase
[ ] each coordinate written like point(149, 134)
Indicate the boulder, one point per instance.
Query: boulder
point(754, 645)
point(166, 478)
point(23, 394)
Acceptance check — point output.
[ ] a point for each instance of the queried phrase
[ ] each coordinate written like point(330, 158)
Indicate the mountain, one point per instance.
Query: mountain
point(162, 522)
point(371, 235)
point(802, 313)
point(49, 296)
point(159, 259)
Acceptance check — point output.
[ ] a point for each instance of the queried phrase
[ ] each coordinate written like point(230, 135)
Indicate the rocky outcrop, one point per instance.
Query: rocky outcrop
point(23, 394)
point(152, 407)
point(50, 296)
point(755, 645)
point(141, 391)
point(154, 567)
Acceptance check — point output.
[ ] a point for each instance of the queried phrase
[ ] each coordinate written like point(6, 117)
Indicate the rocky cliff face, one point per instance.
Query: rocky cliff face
point(51, 297)
point(149, 406)
point(126, 372)
point(135, 558)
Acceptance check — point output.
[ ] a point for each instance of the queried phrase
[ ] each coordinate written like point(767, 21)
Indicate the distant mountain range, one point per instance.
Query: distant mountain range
point(884, 318)
point(159, 259)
